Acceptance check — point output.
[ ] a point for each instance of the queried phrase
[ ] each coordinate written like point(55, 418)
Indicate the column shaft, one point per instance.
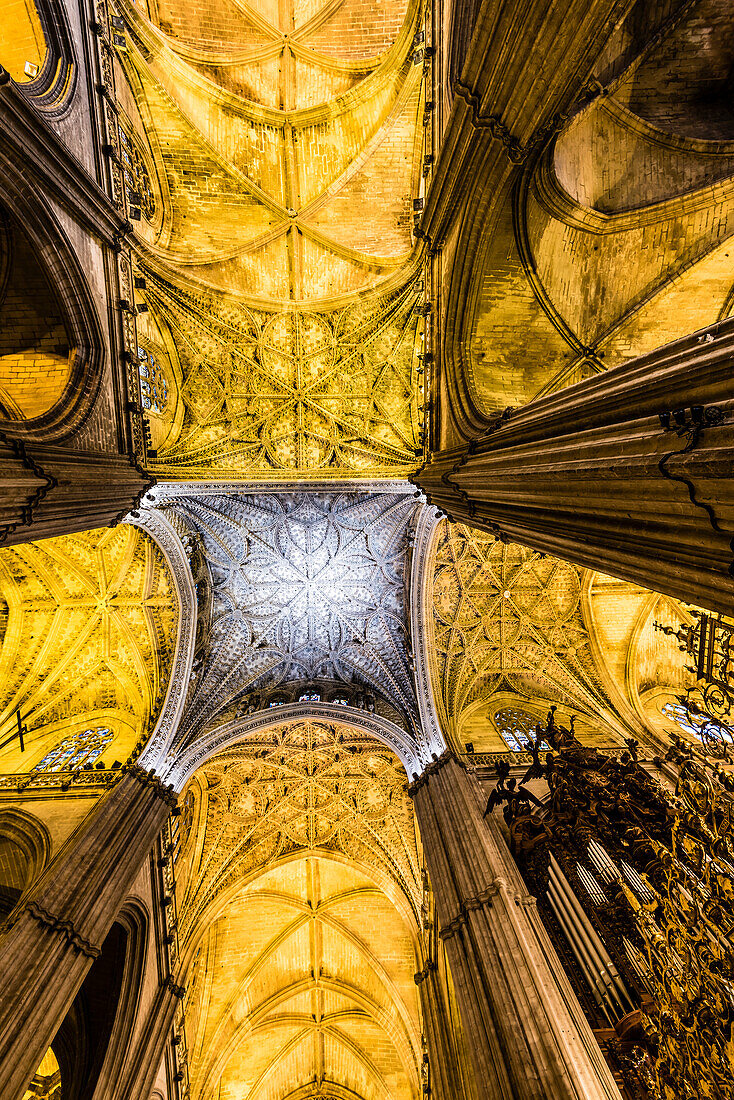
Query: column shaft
point(525, 1033)
point(445, 1073)
point(590, 475)
point(59, 931)
point(144, 1061)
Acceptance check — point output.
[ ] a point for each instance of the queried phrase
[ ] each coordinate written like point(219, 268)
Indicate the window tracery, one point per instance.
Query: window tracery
point(700, 726)
point(154, 386)
point(517, 728)
point(140, 197)
point(74, 753)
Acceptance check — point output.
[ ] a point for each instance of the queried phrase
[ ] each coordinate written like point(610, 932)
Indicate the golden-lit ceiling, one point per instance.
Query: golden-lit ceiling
point(22, 42)
point(616, 239)
point(515, 629)
point(88, 628)
point(301, 893)
point(278, 149)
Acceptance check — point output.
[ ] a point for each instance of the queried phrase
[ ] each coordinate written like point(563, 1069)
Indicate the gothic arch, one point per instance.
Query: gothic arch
point(422, 563)
point(304, 901)
point(52, 89)
point(31, 836)
point(179, 770)
point(94, 1038)
point(155, 524)
point(135, 919)
point(89, 642)
point(30, 221)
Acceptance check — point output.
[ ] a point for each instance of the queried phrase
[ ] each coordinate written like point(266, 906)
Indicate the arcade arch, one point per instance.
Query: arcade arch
point(300, 898)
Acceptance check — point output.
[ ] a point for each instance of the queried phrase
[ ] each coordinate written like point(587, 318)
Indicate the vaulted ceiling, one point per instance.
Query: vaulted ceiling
point(277, 152)
point(511, 628)
point(88, 627)
point(304, 587)
point(613, 234)
point(301, 896)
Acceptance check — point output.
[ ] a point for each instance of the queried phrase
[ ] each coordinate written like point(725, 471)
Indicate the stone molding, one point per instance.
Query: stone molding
point(153, 782)
point(182, 768)
point(65, 928)
point(159, 528)
point(165, 492)
point(420, 626)
point(178, 991)
point(432, 768)
point(484, 900)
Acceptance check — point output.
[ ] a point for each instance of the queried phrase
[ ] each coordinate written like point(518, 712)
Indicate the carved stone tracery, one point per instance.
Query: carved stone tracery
point(303, 587)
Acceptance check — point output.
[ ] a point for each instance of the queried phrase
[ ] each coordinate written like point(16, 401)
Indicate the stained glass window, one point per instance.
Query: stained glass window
point(74, 752)
point(516, 728)
point(700, 726)
point(153, 382)
point(140, 195)
point(310, 697)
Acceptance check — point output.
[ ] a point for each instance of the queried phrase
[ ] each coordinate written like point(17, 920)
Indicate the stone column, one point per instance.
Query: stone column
point(143, 1062)
point(526, 1036)
point(443, 1062)
point(593, 475)
point(59, 931)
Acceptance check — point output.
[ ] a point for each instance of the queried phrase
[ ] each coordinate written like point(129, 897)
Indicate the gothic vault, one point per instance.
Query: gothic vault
point(366, 570)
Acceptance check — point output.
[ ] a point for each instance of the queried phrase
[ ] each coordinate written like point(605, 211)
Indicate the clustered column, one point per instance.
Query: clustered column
point(59, 930)
point(526, 1035)
point(631, 472)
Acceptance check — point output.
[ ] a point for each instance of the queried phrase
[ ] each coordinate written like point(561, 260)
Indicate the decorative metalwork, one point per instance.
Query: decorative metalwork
point(647, 927)
point(688, 932)
point(709, 717)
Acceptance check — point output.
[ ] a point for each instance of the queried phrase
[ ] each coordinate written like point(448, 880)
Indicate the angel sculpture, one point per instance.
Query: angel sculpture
point(535, 746)
point(508, 791)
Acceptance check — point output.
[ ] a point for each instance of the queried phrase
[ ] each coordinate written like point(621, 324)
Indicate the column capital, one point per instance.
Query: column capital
point(433, 768)
point(153, 782)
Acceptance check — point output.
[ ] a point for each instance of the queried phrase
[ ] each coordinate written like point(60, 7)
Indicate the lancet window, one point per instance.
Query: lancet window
point(700, 726)
point(153, 382)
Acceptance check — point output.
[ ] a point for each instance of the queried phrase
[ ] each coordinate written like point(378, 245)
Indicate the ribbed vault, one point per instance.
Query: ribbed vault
point(276, 150)
point(614, 237)
point(514, 631)
point(300, 893)
point(88, 630)
point(303, 587)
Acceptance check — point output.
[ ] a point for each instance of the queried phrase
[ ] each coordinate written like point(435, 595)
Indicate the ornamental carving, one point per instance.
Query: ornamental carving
point(304, 786)
point(280, 394)
point(88, 625)
point(304, 586)
point(506, 619)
